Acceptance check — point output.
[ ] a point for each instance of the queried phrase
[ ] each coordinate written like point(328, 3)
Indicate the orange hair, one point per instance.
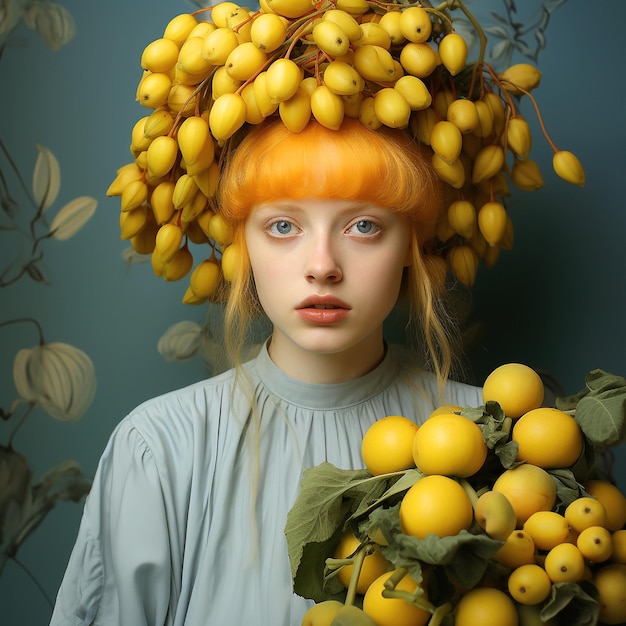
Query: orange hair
point(385, 167)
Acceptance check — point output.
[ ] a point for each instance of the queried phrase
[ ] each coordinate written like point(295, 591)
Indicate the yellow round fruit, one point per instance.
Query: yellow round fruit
point(565, 564)
point(547, 529)
point(446, 408)
point(585, 512)
point(618, 539)
point(322, 613)
point(449, 444)
point(435, 505)
point(486, 606)
point(595, 544)
point(374, 564)
point(517, 388)
point(528, 488)
point(393, 611)
point(548, 438)
point(610, 581)
point(518, 550)
point(613, 500)
point(529, 584)
point(387, 445)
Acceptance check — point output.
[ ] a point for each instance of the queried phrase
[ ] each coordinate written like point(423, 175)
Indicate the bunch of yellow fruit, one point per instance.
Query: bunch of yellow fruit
point(546, 540)
point(398, 64)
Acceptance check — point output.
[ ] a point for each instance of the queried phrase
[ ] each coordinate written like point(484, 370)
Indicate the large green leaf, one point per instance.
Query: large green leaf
point(327, 498)
point(600, 408)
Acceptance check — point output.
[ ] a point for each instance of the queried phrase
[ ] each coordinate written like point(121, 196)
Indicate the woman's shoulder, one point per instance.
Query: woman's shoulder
point(174, 420)
point(184, 403)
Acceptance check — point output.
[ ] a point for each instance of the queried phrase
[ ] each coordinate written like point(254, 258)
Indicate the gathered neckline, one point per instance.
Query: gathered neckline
point(324, 395)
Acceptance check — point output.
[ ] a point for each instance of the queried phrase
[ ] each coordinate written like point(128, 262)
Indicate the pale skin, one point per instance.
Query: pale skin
point(327, 273)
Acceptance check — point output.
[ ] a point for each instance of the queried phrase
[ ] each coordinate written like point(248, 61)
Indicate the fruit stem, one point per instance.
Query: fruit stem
point(359, 557)
point(504, 92)
point(469, 490)
point(415, 598)
point(441, 15)
point(194, 94)
point(539, 117)
point(252, 78)
point(439, 613)
point(203, 10)
point(453, 4)
point(295, 36)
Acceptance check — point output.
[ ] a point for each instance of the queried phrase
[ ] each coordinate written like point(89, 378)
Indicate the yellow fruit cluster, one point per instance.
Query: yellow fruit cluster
point(546, 540)
point(586, 542)
point(398, 64)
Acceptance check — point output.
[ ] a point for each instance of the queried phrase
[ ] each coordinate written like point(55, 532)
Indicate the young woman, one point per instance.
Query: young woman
point(184, 524)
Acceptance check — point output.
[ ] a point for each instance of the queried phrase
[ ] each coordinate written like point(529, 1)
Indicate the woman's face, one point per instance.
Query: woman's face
point(327, 274)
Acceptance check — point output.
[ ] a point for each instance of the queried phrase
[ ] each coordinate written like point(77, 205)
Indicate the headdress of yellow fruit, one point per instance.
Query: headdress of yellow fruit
point(224, 68)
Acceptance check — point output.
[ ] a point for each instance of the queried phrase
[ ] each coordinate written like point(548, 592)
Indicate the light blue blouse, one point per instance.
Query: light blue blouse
point(184, 523)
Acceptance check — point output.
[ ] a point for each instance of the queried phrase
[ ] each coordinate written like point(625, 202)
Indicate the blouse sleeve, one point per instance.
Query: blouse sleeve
point(121, 562)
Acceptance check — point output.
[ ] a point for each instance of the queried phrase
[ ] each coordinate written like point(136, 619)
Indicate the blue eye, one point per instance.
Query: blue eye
point(281, 227)
point(365, 227)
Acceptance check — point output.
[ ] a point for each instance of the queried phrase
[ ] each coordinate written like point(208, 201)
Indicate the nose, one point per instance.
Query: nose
point(322, 264)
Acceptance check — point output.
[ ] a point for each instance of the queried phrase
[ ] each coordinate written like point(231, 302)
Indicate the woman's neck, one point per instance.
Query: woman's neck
point(324, 367)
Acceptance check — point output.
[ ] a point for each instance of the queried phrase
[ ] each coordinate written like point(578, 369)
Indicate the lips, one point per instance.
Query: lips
point(323, 310)
point(322, 302)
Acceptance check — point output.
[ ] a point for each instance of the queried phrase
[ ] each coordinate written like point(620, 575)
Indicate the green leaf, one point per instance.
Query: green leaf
point(507, 453)
point(439, 588)
point(568, 403)
point(464, 556)
point(567, 487)
point(381, 494)
point(319, 508)
point(387, 520)
point(600, 408)
point(575, 604)
point(315, 522)
point(586, 466)
point(309, 581)
point(599, 381)
point(473, 413)
point(601, 417)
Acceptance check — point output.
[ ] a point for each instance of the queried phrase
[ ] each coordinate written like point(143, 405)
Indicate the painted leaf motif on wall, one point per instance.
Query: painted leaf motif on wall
point(72, 217)
point(24, 504)
point(46, 178)
point(58, 377)
point(180, 341)
point(52, 21)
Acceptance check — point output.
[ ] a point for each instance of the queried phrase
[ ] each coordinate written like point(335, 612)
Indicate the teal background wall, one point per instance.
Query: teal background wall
point(555, 301)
